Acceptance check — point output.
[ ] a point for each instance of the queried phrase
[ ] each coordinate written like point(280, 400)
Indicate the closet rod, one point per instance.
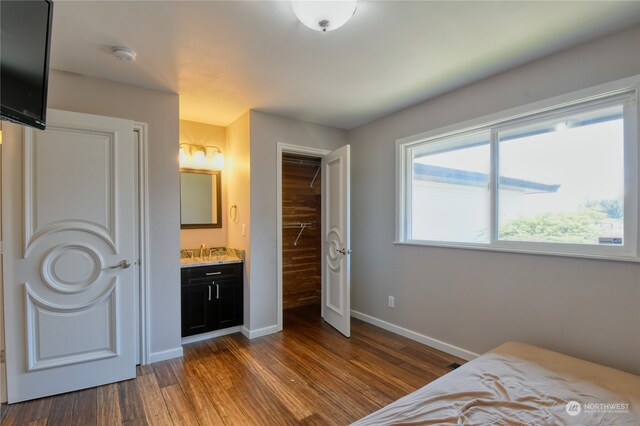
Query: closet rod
point(297, 224)
point(301, 162)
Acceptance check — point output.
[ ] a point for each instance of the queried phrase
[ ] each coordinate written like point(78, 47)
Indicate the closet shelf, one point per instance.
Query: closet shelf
point(297, 224)
point(297, 162)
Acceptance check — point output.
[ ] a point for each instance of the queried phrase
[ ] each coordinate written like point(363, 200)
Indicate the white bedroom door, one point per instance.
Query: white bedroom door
point(336, 294)
point(69, 243)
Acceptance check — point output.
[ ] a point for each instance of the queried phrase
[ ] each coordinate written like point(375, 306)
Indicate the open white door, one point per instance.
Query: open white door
point(336, 281)
point(69, 239)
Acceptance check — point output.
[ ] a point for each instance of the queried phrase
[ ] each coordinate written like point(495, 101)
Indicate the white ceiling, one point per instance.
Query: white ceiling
point(224, 58)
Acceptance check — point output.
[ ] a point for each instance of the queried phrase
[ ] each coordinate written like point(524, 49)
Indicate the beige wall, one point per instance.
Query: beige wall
point(266, 132)
point(477, 300)
point(73, 92)
point(238, 171)
point(206, 134)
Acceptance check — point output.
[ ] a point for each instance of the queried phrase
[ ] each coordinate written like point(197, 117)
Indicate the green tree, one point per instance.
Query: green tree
point(573, 227)
point(612, 208)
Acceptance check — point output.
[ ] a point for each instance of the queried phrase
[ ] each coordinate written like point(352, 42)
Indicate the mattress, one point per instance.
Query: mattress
point(520, 384)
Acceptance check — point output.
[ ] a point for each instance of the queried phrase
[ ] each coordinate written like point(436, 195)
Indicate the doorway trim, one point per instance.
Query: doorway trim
point(3, 370)
point(283, 148)
point(143, 242)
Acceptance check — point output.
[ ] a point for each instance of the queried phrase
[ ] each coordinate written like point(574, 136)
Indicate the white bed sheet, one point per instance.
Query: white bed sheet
point(520, 384)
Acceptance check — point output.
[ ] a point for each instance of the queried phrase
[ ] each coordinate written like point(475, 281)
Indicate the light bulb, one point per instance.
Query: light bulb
point(218, 161)
point(199, 156)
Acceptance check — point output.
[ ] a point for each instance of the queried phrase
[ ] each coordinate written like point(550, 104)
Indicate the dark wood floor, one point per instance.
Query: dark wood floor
point(308, 374)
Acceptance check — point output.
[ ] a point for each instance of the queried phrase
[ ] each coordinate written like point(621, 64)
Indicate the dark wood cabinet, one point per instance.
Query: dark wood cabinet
point(197, 314)
point(211, 297)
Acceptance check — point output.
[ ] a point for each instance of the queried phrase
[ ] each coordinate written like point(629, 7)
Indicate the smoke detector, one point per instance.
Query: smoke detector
point(124, 53)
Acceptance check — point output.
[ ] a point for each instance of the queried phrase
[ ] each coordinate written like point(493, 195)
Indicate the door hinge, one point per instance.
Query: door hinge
point(2, 357)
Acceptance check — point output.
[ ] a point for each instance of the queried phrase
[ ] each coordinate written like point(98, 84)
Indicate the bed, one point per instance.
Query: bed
point(520, 384)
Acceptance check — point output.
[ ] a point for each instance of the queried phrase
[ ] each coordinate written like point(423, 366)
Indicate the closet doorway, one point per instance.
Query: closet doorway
point(313, 243)
point(299, 218)
point(301, 233)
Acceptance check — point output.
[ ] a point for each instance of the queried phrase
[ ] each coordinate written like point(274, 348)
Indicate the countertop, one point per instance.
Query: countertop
point(207, 261)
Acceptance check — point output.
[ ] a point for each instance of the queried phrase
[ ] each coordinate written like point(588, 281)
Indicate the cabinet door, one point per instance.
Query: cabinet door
point(228, 303)
point(197, 315)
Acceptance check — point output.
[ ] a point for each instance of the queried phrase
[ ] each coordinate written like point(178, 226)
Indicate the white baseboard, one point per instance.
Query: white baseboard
point(165, 355)
point(252, 334)
point(211, 334)
point(421, 338)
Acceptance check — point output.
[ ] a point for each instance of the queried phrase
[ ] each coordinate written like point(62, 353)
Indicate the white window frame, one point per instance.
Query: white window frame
point(623, 92)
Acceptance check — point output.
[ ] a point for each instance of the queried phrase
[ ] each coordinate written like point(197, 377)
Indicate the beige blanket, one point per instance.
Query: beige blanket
point(519, 384)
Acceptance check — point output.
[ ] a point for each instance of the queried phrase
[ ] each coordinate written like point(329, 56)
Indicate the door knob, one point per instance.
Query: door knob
point(124, 264)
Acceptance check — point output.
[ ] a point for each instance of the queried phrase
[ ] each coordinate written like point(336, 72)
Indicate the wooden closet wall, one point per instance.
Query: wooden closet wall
point(301, 203)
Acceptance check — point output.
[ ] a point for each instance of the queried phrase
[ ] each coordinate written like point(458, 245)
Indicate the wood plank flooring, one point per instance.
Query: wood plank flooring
point(307, 375)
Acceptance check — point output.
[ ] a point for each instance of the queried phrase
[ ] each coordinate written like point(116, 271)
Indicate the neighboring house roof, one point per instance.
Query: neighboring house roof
point(465, 177)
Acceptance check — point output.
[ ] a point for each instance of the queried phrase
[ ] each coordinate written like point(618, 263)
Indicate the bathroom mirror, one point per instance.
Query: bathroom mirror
point(200, 199)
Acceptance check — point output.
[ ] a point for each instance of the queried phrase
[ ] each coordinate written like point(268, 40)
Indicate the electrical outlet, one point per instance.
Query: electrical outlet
point(392, 302)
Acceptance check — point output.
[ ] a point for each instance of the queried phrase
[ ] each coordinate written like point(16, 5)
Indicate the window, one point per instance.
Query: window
point(450, 190)
point(561, 178)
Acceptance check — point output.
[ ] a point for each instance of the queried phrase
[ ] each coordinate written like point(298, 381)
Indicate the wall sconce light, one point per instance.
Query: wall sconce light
point(208, 157)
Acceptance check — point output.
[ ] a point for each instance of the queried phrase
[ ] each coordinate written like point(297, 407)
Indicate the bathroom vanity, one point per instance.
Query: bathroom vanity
point(211, 295)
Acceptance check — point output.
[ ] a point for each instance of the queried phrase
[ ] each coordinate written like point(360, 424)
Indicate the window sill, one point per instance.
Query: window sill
point(616, 258)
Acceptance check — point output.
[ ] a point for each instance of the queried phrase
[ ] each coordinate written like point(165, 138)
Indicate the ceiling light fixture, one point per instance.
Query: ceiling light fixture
point(124, 53)
point(324, 15)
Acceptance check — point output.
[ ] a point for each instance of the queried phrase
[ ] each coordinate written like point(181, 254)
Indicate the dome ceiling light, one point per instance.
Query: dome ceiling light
point(324, 15)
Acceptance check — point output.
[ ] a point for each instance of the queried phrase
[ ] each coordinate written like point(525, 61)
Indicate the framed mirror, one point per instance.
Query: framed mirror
point(200, 199)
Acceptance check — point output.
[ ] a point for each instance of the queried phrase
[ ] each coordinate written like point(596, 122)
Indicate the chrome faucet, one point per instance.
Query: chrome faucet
point(202, 249)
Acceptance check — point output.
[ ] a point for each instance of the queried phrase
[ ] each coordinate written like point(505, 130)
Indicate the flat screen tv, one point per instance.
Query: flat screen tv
point(25, 38)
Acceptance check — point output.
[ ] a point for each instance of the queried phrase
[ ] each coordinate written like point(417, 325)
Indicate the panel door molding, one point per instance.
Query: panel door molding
point(44, 215)
point(47, 351)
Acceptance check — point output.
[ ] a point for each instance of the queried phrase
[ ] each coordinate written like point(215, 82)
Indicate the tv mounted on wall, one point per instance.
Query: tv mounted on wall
point(25, 38)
